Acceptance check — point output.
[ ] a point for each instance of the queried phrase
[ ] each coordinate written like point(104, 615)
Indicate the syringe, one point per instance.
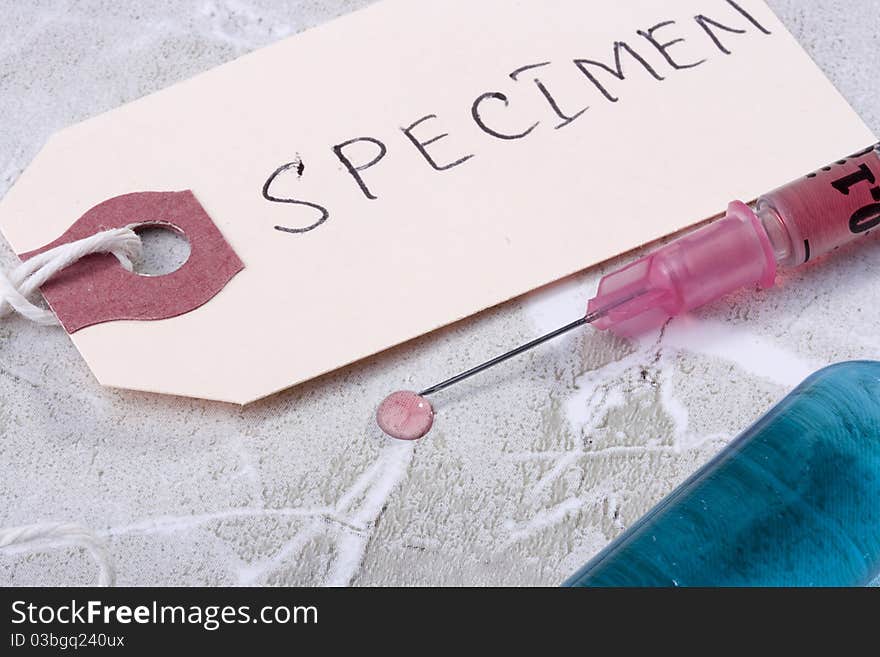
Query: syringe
point(786, 227)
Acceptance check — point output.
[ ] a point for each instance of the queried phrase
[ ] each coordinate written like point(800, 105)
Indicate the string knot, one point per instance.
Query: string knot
point(26, 278)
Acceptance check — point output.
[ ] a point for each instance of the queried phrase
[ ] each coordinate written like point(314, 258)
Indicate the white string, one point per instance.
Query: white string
point(15, 288)
point(47, 535)
point(24, 280)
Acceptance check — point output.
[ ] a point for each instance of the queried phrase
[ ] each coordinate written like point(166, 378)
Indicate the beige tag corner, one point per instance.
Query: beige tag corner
point(416, 162)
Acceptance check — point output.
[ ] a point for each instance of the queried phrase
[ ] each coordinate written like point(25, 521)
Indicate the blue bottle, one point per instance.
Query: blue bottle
point(793, 501)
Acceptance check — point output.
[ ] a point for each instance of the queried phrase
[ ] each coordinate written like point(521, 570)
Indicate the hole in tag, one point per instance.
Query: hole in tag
point(165, 249)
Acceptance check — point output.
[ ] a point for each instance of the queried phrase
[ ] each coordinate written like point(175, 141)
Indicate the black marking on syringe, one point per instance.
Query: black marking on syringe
point(864, 151)
point(806, 250)
point(875, 193)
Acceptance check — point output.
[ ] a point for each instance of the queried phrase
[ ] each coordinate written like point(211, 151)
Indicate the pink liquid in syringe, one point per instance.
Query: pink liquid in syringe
point(828, 208)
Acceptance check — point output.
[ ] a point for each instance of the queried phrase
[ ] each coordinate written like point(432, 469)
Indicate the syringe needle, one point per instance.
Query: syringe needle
point(588, 319)
point(503, 357)
point(407, 415)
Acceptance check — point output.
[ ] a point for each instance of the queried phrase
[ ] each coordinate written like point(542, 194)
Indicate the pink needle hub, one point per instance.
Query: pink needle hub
point(726, 255)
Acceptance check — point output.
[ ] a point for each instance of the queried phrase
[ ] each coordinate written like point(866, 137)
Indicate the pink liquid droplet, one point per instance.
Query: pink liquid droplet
point(405, 415)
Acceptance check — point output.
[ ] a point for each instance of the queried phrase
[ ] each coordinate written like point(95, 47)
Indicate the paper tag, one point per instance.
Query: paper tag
point(416, 162)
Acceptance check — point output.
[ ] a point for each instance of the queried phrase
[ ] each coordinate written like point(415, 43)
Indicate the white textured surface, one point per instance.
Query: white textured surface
point(531, 468)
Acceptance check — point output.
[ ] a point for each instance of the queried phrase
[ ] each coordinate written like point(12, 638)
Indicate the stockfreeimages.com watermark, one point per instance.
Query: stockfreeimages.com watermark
point(209, 617)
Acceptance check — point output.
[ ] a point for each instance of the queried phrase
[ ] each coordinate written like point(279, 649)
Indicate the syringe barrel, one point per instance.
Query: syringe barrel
point(825, 209)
